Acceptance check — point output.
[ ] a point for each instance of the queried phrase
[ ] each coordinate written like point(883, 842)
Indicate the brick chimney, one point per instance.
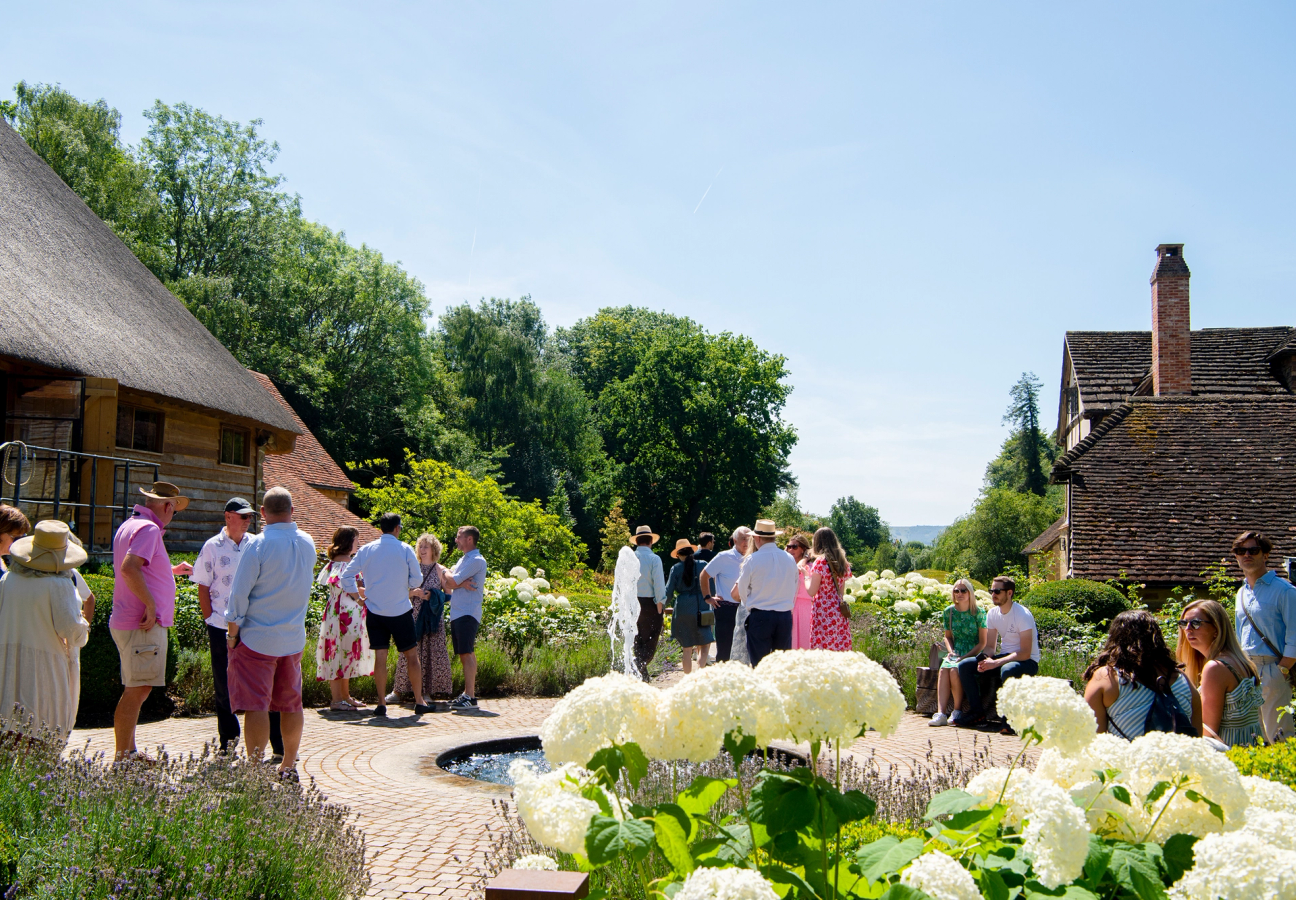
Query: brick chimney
point(1171, 362)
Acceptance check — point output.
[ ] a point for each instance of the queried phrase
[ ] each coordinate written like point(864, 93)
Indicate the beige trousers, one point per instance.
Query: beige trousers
point(1277, 692)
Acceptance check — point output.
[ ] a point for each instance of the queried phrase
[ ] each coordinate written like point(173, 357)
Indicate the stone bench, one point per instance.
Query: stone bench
point(532, 884)
point(926, 678)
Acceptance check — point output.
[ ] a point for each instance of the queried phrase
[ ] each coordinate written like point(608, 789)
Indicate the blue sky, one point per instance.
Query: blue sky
point(911, 202)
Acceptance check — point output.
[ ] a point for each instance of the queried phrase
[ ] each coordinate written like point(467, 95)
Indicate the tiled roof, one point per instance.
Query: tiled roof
point(306, 468)
point(1110, 365)
point(1161, 487)
point(1047, 538)
point(309, 461)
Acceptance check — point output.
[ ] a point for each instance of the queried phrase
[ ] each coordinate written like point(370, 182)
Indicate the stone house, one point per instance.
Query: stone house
point(1175, 441)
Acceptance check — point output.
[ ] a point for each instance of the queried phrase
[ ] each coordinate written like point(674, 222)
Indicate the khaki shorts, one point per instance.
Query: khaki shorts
point(143, 656)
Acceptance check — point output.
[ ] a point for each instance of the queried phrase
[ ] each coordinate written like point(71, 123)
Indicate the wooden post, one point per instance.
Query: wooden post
point(530, 884)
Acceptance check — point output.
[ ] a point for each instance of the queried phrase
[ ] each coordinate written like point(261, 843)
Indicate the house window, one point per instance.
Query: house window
point(139, 429)
point(234, 447)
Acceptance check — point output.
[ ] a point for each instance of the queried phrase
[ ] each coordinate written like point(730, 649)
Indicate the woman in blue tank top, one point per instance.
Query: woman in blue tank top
point(1132, 668)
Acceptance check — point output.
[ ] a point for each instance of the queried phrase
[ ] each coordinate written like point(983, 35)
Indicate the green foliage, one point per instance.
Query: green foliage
point(614, 535)
point(858, 525)
point(1277, 762)
point(1032, 448)
point(1220, 585)
point(194, 826)
point(786, 511)
point(1089, 601)
point(101, 667)
point(436, 498)
point(1054, 622)
point(993, 535)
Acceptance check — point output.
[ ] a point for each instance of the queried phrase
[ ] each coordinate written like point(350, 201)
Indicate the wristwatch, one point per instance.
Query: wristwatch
point(1284, 669)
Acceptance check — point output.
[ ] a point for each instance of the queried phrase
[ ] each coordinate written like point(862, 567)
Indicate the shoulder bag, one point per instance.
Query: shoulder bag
point(1291, 674)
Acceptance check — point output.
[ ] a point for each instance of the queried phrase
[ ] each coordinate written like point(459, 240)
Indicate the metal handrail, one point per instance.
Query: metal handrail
point(27, 453)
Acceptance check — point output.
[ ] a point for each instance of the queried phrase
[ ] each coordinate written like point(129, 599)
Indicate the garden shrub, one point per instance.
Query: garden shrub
point(101, 667)
point(1054, 623)
point(1088, 601)
point(8, 859)
point(1276, 762)
point(195, 827)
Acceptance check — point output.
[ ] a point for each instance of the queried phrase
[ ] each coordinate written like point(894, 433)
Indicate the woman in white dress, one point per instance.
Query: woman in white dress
point(43, 626)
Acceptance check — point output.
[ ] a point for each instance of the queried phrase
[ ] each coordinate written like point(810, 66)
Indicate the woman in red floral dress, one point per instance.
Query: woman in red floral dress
point(829, 625)
point(342, 652)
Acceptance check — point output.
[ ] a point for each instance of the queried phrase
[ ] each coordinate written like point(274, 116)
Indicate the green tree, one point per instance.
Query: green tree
point(786, 511)
point(432, 496)
point(992, 536)
point(858, 526)
point(1023, 413)
point(615, 534)
point(81, 142)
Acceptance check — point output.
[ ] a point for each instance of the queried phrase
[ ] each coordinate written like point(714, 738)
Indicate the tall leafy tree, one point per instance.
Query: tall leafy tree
point(1023, 413)
point(993, 535)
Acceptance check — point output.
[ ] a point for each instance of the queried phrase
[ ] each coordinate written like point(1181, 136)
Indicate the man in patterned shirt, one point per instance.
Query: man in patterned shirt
point(213, 572)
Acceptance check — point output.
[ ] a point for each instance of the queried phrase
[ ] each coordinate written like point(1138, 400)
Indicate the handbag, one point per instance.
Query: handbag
point(430, 613)
point(1291, 674)
point(706, 619)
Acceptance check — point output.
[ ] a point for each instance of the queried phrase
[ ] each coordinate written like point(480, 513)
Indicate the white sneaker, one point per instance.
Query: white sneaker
point(938, 720)
point(393, 697)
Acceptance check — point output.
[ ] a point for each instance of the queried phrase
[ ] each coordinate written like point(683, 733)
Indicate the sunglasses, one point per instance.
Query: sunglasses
point(1247, 551)
point(245, 516)
point(998, 590)
point(1192, 624)
point(960, 590)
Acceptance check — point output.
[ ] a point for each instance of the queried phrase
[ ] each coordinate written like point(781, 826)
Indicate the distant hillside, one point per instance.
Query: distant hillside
point(924, 533)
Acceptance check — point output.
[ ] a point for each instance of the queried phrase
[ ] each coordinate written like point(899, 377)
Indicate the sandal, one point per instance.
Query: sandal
point(355, 704)
point(341, 706)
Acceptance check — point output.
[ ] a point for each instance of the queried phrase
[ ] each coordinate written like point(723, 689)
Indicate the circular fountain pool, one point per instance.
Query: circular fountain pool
point(490, 760)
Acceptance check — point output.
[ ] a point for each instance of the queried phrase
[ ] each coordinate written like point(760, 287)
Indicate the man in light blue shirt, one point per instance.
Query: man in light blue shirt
point(266, 622)
point(718, 580)
point(652, 598)
point(467, 585)
point(1266, 628)
point(390, 569)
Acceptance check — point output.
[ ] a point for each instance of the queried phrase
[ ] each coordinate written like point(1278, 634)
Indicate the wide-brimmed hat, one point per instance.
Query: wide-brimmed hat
point(765, 528)
point(640, 532)
point(165, 490)
point(680, 545)
point(51, 547)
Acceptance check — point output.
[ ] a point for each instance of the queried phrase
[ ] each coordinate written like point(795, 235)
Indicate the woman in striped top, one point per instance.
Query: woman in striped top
point(1132, 668)
point(1230, 686)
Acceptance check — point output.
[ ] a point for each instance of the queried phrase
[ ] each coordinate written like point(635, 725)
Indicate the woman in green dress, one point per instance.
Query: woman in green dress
point(1223, 674)
point(684, 597)
point(965, 636)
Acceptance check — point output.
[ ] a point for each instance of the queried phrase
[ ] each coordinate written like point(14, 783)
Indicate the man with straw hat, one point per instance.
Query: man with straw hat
point(767, 587)
point(43, 627)
point(652, 598)
point(144, 595)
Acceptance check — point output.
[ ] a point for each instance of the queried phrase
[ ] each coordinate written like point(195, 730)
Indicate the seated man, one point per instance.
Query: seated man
point(1011, 627)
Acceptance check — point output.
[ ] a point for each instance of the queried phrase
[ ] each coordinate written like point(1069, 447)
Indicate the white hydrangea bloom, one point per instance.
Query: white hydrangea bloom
point(562, 602)
point(887, 574)
point(914, 577)
point(869, 577)
point(1237, 866)
point(551, 806)
point(1269, 794)
point(699, 711)
point(540, 573)
point(908, 608)
point(1049, 705)
point(535, 863)
point(525, 595)
point(1161, 756)
point(833, 695)
point(612, 709)
point(518, 572)
point(1107, 815)
point(726, 884)
point(1277, 828)
point(941, 877)
point(1056, 836)
point(1104, 752)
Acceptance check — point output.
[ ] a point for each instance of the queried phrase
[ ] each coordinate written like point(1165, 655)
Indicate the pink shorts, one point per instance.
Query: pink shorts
point(260, 683)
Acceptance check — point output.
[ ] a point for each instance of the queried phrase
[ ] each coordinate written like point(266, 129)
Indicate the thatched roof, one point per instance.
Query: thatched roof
point(76, 299)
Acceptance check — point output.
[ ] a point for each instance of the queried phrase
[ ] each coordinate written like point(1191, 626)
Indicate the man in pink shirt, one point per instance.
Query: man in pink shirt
point(144, 595)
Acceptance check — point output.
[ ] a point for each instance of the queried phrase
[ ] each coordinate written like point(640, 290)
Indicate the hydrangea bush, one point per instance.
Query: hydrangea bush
point(522, 611)
point(1161, 817)
point(913, 595)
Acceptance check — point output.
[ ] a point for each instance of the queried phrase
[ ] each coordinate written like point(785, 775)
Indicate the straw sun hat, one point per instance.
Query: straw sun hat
point(52, 547)
point(165, 490)
point(765, 528)
point(680, 545)
point(640, 532)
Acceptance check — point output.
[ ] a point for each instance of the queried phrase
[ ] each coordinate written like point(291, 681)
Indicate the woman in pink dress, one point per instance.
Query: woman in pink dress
point(798, 546)
point(829, 624)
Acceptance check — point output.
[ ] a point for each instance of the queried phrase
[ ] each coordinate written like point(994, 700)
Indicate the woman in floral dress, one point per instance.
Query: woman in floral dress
point(434, 659)
point(829, 626)
point(342, 652)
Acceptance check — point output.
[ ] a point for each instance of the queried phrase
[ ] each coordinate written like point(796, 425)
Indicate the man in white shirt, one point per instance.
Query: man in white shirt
point(717, 581)
point(1013, 626)
point(652, 598)
point(767, 588)
point(213, 572)
point(391, 570)
point(467, 585)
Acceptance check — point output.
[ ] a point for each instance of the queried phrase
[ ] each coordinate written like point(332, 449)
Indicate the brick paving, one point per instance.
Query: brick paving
point(428, 832)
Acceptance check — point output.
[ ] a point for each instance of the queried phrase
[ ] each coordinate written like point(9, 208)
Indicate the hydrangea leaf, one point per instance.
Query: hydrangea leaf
point(779, 876)
point(698, 798)
point(672, 840)
point(851, 806)
point(993, 886)
point(902, 892)
point(887, 855)
point(1133, 870)
point(686, 822)
point(949, 802)
point(782, 803)
point(609, 838)
point(1098, 860)
point(1177, 856)
point(636, 764)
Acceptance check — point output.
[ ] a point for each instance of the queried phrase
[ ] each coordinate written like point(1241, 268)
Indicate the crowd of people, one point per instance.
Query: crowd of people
point(1229, 678)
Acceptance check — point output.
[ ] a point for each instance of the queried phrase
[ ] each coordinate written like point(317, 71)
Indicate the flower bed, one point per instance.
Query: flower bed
point(914, 595)
point(1099, 818)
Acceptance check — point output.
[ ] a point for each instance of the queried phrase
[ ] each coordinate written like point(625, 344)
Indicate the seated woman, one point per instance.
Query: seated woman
point(965, 638)
point(1230, 686)
point(684, 598)
point(1133, 666)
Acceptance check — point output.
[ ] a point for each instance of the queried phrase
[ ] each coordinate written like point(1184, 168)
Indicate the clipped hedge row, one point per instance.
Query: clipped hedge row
point(1088, 601)
point(1277, 762)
